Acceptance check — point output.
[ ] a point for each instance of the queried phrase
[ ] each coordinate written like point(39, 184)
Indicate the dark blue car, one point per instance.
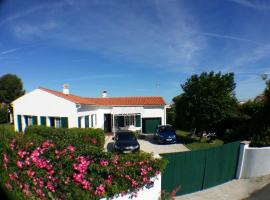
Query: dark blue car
point(165, 134)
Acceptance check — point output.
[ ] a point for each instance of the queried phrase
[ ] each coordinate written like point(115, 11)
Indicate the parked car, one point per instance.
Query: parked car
point(126, 142)
point(165, 134)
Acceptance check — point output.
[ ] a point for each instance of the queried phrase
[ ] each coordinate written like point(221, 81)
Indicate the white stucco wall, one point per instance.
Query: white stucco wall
point(152, 193)
point(256, 162)
point(154, 111)
point(41, 103)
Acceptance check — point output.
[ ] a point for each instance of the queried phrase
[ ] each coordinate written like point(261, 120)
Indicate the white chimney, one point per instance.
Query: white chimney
point(66, 89)
point(104, 94)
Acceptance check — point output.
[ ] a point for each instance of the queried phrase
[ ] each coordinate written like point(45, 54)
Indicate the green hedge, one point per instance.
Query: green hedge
point(67, 171)
point(78, 137)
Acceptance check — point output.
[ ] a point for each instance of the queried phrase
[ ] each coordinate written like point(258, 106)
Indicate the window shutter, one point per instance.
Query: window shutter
point(43, 120)
point(86, 119)
point(64, 122)
point(138, 121)
point(19, 118)
point(34, 118)
point(79, 122)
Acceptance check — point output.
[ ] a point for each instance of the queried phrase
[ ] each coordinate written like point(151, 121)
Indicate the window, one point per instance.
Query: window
point(129, 120)
point(93, 120)
point(52, 121)
point(30, 120)
point(57, 122)
point(79, 122)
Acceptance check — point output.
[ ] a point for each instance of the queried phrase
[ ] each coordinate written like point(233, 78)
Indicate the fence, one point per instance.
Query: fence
point(197, 170)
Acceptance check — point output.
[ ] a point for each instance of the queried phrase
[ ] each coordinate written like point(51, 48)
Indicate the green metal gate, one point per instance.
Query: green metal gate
point(149, 125)
point(198, 170)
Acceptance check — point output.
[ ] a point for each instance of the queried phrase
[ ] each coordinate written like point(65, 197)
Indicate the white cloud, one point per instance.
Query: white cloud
point(229, 37)
point(259, 5)
point(166, 42)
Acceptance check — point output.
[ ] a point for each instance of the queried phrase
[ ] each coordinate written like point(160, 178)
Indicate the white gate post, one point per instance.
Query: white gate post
point(243, 146)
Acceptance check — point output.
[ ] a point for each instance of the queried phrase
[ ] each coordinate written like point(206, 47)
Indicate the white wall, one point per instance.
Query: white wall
point(154, 111)
point(145, 194)
point(41, 103)
point(253, 162)
point(256, 162)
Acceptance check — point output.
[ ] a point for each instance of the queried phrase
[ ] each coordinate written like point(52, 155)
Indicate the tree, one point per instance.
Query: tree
point(207, 101)
point(11, 87)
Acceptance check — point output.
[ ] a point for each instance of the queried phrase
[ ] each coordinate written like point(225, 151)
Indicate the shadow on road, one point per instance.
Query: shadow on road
point(263, 194)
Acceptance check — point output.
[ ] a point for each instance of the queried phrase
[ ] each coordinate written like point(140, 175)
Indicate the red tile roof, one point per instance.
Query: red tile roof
point(109, 101)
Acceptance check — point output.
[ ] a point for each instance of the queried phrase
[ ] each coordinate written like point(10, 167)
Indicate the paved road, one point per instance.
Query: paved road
point(263, 194)
point(242, 189)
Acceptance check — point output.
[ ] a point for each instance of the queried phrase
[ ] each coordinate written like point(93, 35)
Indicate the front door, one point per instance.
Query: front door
point(107, 123)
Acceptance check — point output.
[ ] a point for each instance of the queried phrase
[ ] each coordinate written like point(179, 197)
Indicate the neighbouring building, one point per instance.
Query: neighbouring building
point(63, 110)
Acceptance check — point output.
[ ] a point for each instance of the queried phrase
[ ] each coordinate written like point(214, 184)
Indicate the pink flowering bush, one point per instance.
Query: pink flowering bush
point(43, 169)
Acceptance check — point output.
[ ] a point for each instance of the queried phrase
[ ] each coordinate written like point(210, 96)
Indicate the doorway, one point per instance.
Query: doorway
point(107, 123)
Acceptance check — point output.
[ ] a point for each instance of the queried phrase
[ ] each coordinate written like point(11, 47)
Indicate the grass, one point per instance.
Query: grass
point(194, 143)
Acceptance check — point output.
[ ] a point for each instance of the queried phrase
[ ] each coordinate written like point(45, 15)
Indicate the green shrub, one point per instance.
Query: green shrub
point(77, 137)
point(261, 140)
point(4, 115)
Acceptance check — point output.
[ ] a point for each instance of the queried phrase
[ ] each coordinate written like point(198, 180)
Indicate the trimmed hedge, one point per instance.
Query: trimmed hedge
point(78, 137)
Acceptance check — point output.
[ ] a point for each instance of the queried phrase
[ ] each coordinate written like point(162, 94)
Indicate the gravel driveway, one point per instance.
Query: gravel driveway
point(150, 146)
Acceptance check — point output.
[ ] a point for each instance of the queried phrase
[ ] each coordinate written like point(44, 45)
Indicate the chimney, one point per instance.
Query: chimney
point(104, 94)
point(66, 89)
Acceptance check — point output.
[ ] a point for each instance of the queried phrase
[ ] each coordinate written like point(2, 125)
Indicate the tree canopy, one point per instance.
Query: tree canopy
point(206, 101)
point(11, 87)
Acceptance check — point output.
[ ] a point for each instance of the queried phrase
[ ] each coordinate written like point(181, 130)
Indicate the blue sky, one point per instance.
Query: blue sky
point(134, 48)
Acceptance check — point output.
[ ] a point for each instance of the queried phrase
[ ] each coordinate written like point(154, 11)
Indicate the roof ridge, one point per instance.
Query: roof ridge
point(128, 100)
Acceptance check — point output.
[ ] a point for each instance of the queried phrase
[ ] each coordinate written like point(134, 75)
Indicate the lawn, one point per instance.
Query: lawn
point(194, 143)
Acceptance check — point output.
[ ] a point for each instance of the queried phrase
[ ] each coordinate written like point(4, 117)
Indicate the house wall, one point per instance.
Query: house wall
point(40, 103)
point(155, 111)
point(146, 112)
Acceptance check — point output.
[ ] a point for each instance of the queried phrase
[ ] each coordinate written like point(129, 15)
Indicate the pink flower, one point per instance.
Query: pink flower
point(83, 164)
point(104, 163)
point(21, 153)
point(78, 177)
point(109, 179)
point(27, 161)
point(12, 144)
point(20, 164)
point(86, 185)
point(100, 190)
point(94, 141)
point(45, 144)
point(149, 169)
point(71, 148)
point(30, 173)
point(8, 186)
point(5, 158)
point(11, 177)
point(40, 193)
point(128, 163)
point(50, 187)
point(143, 172)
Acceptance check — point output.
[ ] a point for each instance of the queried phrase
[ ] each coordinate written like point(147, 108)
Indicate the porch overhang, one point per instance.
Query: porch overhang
point(126, 110)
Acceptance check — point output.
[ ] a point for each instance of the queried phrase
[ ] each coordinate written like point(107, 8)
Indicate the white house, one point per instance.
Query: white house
point(60, 109)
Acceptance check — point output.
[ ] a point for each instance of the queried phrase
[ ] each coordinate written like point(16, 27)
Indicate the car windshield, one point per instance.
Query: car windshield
point(165, 128)
point(125, 136)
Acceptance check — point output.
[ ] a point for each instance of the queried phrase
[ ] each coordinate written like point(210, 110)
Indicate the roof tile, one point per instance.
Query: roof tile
point(109, 101)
